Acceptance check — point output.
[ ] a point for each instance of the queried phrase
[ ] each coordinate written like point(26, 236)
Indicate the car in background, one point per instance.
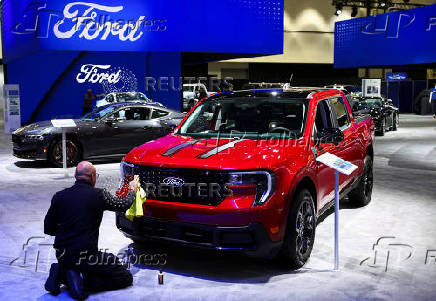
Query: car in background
point(116, 97)
point(191, 94)
point(109, 131)
point(385, 115)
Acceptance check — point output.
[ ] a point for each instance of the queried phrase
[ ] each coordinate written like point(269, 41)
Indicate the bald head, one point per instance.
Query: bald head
point(85, 171)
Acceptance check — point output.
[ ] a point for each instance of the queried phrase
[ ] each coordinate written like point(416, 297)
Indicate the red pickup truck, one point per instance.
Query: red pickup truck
point(240, 172)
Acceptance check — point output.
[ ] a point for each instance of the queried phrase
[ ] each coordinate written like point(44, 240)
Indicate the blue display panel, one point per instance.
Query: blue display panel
point(225, 26)
point(58, 81)
point(397, 38)
point(396, 76)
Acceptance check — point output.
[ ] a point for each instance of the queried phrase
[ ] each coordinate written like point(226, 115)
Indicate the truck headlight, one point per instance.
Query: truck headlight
point(126, 173)
point(262, 181)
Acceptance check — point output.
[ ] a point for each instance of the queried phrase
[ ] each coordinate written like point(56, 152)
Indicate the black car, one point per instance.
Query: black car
point(109, 131)
point(385, 115)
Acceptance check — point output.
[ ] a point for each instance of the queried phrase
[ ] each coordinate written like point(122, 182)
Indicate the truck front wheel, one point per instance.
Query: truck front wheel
point(361, 195)
point(300, 231)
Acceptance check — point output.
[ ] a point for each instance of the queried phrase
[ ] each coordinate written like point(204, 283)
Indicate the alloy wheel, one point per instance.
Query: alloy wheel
point(72, 153)
point(304, 227)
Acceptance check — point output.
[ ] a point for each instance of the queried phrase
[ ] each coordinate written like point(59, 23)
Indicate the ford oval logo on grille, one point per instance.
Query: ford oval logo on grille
point(173, 181)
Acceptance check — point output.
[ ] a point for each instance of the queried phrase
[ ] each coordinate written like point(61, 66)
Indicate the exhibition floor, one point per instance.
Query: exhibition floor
point(401, 218)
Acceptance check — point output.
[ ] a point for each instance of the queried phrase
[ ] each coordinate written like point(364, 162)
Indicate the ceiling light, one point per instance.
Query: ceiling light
point(339, 7)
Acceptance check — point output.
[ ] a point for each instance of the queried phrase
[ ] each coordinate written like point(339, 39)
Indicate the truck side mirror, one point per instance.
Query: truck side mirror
point(330, 135)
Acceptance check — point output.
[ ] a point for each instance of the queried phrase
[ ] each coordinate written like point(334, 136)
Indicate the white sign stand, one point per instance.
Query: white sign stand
point(64, 124)
point(344, 167)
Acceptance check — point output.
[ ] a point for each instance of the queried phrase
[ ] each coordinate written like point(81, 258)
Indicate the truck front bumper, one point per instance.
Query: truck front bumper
point(252, 239)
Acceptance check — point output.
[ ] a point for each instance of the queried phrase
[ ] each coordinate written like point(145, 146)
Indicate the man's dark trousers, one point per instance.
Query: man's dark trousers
point(101, 271)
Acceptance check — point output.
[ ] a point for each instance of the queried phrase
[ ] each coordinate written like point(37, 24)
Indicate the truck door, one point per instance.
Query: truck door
point(325, 118)
point(349, 149)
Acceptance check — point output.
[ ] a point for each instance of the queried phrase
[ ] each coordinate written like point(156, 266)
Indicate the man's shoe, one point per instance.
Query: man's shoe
point(53, 285)
point(75, 285)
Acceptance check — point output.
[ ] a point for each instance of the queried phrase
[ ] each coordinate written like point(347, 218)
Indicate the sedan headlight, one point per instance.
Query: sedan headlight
point(262, 181)
point(33, 138)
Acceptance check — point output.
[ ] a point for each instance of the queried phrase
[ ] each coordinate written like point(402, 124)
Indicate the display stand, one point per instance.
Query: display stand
point(64, 124)
point(346, 168)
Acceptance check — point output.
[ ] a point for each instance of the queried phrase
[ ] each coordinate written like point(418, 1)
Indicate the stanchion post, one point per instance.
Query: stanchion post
point(336, 220)
point(64, 152)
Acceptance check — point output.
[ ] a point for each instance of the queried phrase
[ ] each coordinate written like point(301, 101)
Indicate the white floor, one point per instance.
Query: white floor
point(402, 217)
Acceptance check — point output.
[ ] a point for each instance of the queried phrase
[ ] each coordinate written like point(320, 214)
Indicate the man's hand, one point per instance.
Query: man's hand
point(134, 185)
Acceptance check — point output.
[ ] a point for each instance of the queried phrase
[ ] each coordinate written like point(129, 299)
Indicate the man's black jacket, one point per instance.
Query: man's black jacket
point(75, 215)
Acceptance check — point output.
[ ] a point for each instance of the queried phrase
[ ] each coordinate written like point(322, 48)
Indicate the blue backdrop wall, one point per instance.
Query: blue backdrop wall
point(53, 84)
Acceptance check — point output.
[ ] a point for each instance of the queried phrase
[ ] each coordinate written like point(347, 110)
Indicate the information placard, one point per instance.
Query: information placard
point(12, 111)
point(371, 87)
point(337, 163)
point(63, 123)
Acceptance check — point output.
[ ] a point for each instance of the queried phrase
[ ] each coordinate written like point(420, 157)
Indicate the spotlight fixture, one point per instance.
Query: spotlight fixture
point(339, 7)
point(386, 3)
point(354, 11)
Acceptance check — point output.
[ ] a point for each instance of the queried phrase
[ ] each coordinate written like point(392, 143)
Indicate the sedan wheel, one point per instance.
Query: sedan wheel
point(73, 153)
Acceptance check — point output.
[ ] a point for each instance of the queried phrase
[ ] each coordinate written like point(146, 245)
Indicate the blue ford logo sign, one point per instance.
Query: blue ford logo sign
point(173, 181)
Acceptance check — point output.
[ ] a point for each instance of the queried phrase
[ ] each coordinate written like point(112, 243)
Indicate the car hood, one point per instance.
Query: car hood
point(176, 151)
point(46, 127)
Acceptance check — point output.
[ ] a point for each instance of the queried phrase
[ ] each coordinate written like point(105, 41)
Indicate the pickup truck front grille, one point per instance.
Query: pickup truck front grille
point(193, 186)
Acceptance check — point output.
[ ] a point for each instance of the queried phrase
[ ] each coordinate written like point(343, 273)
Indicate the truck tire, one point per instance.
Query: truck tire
point(300, 231)
point(396, 122)
point(361, 195)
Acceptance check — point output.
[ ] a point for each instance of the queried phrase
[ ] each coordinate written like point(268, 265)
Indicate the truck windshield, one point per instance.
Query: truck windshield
point(247, 117)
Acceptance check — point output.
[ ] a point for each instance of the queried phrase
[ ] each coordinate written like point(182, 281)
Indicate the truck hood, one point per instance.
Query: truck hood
point(176, 151)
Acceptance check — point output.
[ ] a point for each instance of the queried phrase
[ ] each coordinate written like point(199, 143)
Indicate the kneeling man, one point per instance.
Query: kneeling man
point(74, 218)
